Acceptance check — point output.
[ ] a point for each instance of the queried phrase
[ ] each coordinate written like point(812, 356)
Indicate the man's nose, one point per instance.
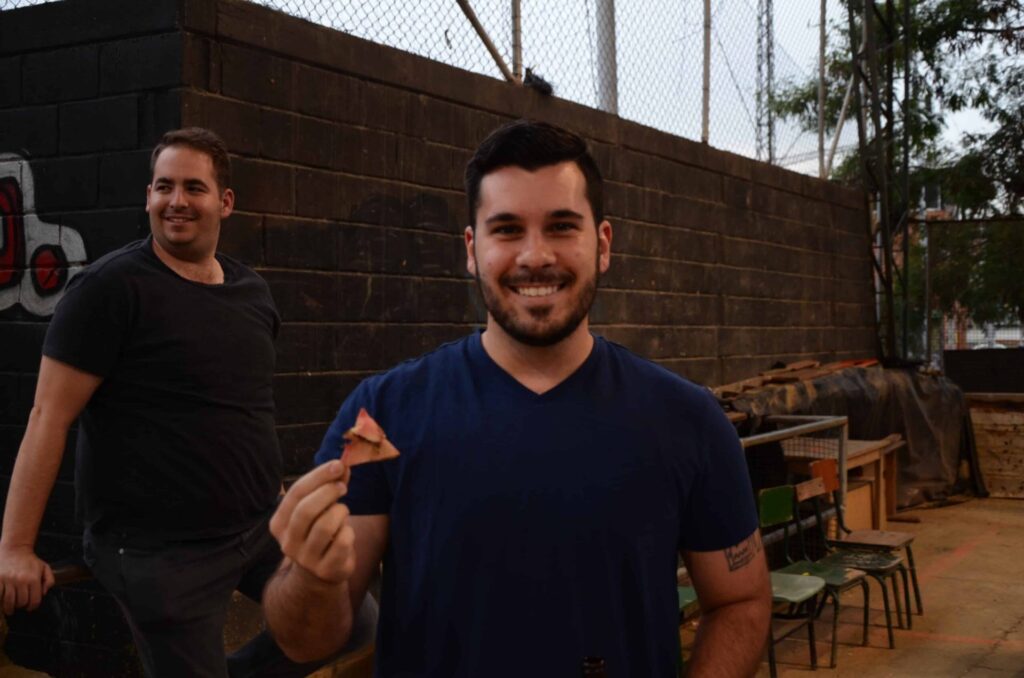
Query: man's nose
point(536, 251)
point(178, 198)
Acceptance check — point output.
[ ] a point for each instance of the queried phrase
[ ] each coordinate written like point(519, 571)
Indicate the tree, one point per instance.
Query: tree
point(966, 54)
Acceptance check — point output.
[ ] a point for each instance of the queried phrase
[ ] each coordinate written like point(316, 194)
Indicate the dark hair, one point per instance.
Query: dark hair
point(531, 145)
point(202, 140)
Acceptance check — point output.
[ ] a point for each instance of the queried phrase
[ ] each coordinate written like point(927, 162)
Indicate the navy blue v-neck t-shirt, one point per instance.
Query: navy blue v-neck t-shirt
point(529, 531)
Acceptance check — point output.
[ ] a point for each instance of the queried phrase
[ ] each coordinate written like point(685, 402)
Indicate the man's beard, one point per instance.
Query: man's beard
point(544, 336)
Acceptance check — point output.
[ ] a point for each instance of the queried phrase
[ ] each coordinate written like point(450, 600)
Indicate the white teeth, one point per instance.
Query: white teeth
point(537, 291)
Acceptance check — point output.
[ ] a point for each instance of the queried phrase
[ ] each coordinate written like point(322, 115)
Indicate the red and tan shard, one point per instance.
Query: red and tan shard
point(366, 442)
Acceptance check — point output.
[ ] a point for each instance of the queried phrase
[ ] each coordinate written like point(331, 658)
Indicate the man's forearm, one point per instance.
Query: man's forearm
point(35, 472)
point(309, 618)
point(730, 640)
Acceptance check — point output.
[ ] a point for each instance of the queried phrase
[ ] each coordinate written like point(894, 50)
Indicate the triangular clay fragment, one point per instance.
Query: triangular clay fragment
point(366, 442)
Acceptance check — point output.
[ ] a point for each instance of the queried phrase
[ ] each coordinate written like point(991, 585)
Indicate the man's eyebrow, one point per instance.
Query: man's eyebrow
point(565, 214)
point(502, 217)
point(190, 183)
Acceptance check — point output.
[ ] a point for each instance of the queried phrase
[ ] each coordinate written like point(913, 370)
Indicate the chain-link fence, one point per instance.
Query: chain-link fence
point(963, 284)
point(973, 279)
point(958, 332)
point(643, 59)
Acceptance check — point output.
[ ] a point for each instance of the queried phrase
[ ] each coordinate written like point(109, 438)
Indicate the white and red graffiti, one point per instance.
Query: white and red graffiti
point(36, 258)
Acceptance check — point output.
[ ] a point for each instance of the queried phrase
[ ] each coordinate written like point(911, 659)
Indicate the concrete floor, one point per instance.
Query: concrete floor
point(970, 560)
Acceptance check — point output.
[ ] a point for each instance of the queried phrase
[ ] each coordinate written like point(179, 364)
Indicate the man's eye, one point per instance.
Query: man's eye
point(505, 230)
point(563, 226)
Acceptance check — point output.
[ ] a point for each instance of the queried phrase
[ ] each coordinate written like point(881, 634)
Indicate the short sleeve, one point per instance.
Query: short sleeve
point(89, 324)
point(369, 492)
point(720, 510)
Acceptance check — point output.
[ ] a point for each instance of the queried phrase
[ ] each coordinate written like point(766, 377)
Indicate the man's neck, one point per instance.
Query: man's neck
point(205, 270)
point(538, 368)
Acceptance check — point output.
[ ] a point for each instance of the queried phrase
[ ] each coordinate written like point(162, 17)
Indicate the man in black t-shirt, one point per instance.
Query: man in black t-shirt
point(164, 350)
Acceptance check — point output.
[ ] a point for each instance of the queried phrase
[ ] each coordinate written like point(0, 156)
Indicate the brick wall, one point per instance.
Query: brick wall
point(348, 163)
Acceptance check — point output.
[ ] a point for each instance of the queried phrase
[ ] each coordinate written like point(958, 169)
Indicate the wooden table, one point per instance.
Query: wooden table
point(878, 461)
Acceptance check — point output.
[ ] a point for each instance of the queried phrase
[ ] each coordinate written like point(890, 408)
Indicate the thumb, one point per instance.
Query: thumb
point(48, 578)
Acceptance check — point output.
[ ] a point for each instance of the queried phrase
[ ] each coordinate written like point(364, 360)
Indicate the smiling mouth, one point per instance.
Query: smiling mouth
point(178, 219)
point(536, 290)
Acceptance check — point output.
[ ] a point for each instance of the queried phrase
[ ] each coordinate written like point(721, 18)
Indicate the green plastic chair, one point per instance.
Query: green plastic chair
point(798, 591)
point(881, 565)
point(688, 605)
point(838, 578)
point(889, 541)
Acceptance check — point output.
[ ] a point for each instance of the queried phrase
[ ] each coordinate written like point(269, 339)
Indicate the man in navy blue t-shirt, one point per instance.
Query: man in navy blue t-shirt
point(548, 479)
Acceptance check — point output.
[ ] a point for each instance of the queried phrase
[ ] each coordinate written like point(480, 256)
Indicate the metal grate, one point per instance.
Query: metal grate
point(818, 445)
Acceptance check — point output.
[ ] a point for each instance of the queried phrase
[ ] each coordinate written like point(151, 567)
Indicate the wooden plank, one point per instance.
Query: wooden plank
point(995, 397)
point(998, 421)
point(815, 487)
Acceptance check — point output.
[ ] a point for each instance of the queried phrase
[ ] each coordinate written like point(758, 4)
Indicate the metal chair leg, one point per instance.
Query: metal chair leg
point(913, 578)
point(835, 627)
point(896, 599)
point(906, 597)
point(810, 637)
point(867, 607)
point(771, 654)
point(888, 614)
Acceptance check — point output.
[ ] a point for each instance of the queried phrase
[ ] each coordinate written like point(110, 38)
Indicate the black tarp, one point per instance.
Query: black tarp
point(929, 411)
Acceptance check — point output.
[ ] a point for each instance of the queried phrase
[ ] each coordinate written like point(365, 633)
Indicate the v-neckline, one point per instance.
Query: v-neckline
point(519, 387)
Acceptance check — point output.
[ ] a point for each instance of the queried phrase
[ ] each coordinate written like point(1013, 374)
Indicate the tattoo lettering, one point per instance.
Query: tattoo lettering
point(743, 553)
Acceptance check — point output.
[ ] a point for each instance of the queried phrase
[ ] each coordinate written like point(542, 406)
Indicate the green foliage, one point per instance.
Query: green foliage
point(966, 54)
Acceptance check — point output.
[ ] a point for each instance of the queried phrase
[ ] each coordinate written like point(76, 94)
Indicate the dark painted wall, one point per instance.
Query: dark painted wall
point(348, 162)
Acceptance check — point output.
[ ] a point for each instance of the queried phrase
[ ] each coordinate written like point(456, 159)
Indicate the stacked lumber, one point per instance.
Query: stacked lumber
point(802, 370)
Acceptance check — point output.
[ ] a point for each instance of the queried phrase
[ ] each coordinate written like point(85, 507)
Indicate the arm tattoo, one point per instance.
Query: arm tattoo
point(743, 553)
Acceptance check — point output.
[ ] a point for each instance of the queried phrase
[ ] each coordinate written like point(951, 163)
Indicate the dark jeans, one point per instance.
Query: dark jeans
point(175, 597)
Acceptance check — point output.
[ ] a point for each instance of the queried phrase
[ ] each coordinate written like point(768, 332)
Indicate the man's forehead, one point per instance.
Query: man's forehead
point(183, 162)
point(511, 185)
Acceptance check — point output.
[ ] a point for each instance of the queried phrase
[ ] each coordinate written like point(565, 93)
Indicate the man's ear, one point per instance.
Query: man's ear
point(604, 245)
point(149, 192)
point(227, 203)
point(470, 253)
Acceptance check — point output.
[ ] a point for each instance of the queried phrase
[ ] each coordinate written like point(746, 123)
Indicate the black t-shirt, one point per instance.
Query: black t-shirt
point(178, 441)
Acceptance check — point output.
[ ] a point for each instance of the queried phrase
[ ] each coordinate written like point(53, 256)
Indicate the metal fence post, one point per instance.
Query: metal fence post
point(821, 93)
point(706, 102)
point(607, 62)
point(484, 38)
point(517, 41)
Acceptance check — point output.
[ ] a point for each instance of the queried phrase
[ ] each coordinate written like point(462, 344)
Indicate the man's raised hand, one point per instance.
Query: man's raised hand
point(312, 527)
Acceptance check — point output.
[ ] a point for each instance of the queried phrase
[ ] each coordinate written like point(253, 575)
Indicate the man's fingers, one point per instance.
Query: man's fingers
point(48, 578)
point(340, 558)
point(22, 595)
point(321, 475)
point(35, 595)
point(305, 513)
point(8, 599)
point(322, 533)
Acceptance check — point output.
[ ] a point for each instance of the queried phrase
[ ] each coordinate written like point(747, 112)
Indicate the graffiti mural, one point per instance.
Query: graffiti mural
point(36, 258)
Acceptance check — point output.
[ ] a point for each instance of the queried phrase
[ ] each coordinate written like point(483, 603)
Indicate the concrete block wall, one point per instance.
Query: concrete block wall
point(348, 161)
point(85, 90)
point(350, 177)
